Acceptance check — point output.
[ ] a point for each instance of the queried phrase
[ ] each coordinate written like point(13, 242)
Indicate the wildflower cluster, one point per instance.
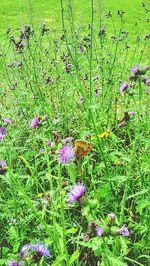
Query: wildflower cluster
point(106, 227)
point(32, 253)
point(67, 96)
point(137, 71)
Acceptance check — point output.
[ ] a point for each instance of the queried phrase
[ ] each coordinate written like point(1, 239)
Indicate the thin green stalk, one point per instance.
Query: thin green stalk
point(62, 213)
point(91, 49)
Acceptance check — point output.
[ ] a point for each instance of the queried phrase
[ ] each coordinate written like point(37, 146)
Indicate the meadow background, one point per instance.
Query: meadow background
point(68, 73)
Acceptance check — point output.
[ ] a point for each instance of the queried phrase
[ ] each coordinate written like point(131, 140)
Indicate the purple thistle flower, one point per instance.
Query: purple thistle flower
point(7, 120)
point(93, 224)
point(55, 135)
point(146, 81)
point(22, 45)
point(133, 78)
point(98, 92)
point(135, 70)
point(81, 49)
point(50, 143)
point(102, 31)
point(2, 164)
point(3, 167)
point(124, 231)
point(132, 113)
point(42, 150)
point(124, 86)
point(25, 251)
point(146, 68)
point(66, 155)
point(120, 125)
point(40, 251)
point(99, 231)
point(67, 140)
point(2, 133)
point(68, 67)
point(14, 263)
point(35, 122)
point(77, 192)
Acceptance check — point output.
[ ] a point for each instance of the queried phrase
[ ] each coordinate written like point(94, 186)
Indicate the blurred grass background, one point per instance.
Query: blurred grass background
point(16, 13)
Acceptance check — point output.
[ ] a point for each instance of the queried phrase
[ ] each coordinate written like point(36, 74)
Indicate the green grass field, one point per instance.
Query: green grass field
point(74, 126)
point(17, 13)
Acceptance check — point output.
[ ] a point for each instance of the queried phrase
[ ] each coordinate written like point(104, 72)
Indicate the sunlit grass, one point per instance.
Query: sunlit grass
point(61, 81)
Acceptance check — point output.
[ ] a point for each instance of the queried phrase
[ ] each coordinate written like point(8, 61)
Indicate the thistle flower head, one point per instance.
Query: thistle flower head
point(2, 164)
point(93, 224)
point(3, 167)
point(14, 263)
point(50, 143)
point(67, 140)
point(7, 120)
point(77, 192)
point(2, 133)
point(55, 135)
point(99, 231)
point(135, 70)
point(35, 122)
point(98, 92)
point(132, 113)
point(124, 86)
point(102, 31)
point(25, 251)
point(120, 125)
point(146, 81)
point(81, 49)
point(66, 155)
point(40, 250)
point(124, 231)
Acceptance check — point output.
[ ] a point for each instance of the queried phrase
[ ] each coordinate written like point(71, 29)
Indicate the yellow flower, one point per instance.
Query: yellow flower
point(119, 162)
point(103, 135)
point(40, 195)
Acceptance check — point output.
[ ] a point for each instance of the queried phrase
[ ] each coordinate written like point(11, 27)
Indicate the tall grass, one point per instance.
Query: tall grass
point(70, 80)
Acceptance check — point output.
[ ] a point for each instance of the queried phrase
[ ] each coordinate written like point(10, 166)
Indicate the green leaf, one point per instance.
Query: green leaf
point(116, 261)
point(124, 246)
point(58, 260)
point(144, 191)
point(2, 261)
point(74, 257)
point(142, 205)
point(72, 230)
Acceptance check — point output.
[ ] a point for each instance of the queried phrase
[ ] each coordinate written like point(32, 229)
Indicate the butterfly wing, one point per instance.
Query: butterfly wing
point(81, 148)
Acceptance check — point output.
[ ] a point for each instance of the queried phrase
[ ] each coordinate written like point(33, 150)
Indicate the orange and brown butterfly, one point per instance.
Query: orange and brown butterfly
point(81, 148)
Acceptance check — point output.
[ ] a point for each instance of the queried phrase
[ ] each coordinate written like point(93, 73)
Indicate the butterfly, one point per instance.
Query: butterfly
point(81, 148)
